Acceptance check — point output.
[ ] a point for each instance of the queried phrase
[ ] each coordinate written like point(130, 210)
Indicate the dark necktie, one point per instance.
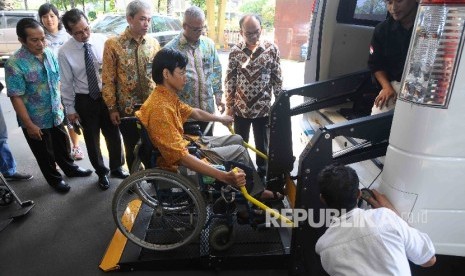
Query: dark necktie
point(94, 90)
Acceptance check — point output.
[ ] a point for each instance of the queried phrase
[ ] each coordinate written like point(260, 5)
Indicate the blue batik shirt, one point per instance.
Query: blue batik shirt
point(203, 72)
point(36, 83)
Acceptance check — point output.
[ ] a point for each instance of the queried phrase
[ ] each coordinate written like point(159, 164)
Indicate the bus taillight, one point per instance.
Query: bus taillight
point(431, 63)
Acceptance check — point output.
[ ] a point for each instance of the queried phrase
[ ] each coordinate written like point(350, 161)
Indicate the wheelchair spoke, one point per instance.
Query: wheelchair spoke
point(172, 209)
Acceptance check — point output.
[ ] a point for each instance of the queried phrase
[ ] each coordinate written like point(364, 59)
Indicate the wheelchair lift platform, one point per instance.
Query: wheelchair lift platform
point(267, 248)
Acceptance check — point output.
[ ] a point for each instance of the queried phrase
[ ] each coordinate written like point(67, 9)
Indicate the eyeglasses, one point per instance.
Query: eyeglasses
point(195, 29)
point(82, 32)
point(252, 34)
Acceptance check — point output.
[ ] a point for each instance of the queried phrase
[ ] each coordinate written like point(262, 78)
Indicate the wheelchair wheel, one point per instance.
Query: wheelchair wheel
point(221, 237)
point(158, 210)
point(6, 198)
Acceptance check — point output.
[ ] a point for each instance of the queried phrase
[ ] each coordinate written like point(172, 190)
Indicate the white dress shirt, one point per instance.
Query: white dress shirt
point(377, 242)
point(73, 75)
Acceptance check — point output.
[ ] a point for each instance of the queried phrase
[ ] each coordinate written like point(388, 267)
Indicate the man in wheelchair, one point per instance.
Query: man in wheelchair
point(163, 115)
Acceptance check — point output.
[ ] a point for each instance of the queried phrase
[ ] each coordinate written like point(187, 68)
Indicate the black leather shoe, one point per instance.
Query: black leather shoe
point(80, 172)
point(119, 173)
point(61, 187)
point(103, 182)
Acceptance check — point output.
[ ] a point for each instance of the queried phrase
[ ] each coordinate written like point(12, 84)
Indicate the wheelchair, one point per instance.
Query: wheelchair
point(172, 209)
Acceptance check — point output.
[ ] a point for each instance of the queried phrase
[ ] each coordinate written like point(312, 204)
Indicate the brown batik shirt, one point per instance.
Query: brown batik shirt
point(251, 78)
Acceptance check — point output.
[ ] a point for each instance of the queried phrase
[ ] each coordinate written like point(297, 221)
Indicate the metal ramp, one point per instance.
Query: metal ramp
point(266, 248)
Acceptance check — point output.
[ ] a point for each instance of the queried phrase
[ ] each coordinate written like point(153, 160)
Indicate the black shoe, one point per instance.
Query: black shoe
point(103, 182)
point(17, 176)
point(80, 172)
point(119, 173)
point(61, 187)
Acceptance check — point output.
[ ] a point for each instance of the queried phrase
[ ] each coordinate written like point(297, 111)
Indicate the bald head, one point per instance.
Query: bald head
point(251, 29)
point(248, 17)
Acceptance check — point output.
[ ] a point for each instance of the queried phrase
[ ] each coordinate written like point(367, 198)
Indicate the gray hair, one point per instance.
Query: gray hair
point(194, 12)
point(136, 6)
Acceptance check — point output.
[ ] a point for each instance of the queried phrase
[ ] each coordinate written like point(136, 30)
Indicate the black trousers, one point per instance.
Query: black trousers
point(53, 148)
point(94, 117)
point(260, 133)
point(131, 136)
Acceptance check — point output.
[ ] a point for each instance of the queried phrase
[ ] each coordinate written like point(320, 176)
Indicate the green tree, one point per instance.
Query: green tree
point(65, 5)
point(371, 7)
point(264, 8)
point(92, 15)
point(199, 3)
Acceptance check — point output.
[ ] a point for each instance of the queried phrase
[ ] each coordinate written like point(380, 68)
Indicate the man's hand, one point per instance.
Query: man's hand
point(221, 107)
point(235, 178)
point(114, 117)
point(384, 96)
point(380, 200)
point(225, 120)
point(230, 112)
point(73, 118)
point(34, 132)
point(220, 104)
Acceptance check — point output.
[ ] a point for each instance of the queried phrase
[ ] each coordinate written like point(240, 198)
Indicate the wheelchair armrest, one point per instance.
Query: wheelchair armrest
point(192, 129)
point(192, 149)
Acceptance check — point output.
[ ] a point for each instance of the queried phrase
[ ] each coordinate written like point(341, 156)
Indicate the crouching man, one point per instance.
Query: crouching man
point(366, 242)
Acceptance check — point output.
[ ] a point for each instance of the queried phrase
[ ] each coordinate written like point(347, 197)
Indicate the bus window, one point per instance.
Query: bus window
point(361, 12)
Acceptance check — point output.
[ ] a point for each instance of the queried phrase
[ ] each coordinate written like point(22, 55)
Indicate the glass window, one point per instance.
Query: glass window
point(159, 24)
point(374, 10)
point(12, 20)
point(361, 12)
point(114, 24)
point(175, 24)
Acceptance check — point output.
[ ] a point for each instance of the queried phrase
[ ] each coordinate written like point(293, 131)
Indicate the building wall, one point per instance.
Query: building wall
point(292, 25)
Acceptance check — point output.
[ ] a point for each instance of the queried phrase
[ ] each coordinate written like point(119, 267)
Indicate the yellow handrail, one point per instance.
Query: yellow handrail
point(265, 208)
point(259, 153)
point(262, 206)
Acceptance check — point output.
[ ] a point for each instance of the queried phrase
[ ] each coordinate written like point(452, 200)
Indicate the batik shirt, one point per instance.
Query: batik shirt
point(163, 115)
point(251, 78)
point(203, 72)
point(36, 83)
point(127, 72)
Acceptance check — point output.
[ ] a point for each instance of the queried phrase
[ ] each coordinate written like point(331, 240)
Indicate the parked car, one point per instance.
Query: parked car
point(162, 27)
point(8, 38)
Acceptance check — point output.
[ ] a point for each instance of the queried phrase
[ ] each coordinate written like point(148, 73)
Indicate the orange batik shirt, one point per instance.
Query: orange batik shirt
point(163, 115)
